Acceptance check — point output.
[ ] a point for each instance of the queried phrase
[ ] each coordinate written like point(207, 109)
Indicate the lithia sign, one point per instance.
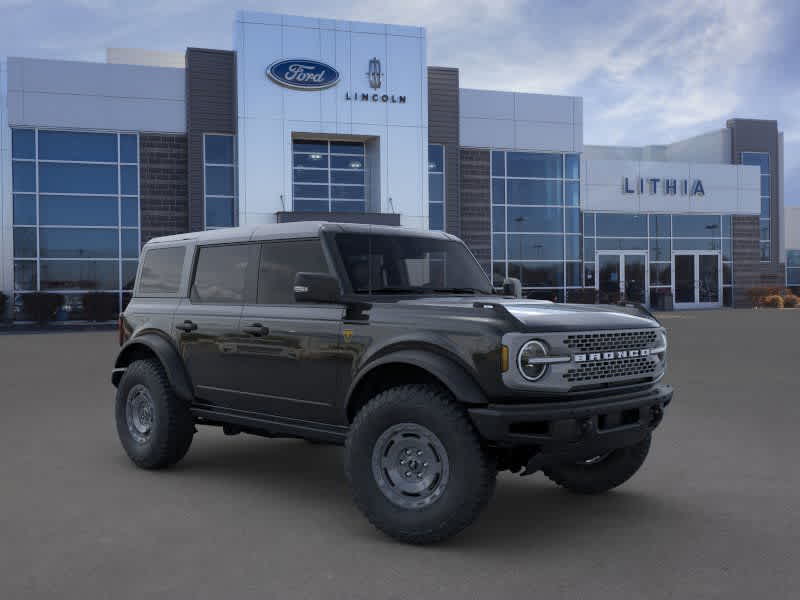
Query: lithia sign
point(667, 186)
point(306, 74)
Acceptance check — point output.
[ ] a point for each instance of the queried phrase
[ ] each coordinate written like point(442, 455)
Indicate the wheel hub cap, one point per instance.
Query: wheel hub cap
point(139, 413)
point(410, 465)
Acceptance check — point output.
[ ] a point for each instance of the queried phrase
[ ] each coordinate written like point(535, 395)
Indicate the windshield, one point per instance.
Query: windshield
point(385, 264)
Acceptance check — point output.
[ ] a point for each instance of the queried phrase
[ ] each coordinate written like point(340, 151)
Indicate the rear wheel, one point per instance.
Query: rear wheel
point(154, 426)
point(600, 473)
point(416, 465)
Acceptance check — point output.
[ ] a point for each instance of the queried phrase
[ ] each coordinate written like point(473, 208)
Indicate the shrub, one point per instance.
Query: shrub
point(790, 301)
point(758, 295)
point(582, 296)
point(41, 306)
point(773, 301)
point(98, 306)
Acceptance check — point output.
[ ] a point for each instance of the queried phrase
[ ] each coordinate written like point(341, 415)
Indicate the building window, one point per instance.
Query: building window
point(793, 268)
point(328, 176)
point(219, 170)
point(436, 186)
point(76, 215)
point(536, 225)
point(658, 235)
point(761, 160)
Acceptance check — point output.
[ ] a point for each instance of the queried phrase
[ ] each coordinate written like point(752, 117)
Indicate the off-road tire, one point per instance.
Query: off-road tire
point(612, 471)
point(472, 470)
point(172, 424)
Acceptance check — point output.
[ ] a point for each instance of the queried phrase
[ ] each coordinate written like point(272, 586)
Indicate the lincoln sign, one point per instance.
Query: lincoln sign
point(667, 186)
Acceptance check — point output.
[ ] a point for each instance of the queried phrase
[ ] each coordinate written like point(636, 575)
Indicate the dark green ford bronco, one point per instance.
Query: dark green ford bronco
point(393, 343)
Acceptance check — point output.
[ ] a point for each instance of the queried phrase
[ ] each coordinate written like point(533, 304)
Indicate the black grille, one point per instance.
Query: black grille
point(615, 340)
point(612, 369)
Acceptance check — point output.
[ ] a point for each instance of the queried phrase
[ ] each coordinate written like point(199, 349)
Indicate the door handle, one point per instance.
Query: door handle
point(186, 326)
point(256, 329)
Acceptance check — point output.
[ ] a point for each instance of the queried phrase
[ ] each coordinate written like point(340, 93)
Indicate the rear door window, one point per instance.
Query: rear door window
point(220, 276)
point(280, 262)
point(161, 271)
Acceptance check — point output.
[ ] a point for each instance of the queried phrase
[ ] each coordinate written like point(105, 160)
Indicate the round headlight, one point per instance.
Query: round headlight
point(527, 360)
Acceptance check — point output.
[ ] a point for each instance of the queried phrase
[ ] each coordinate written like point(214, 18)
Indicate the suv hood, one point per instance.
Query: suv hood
point(542, 315)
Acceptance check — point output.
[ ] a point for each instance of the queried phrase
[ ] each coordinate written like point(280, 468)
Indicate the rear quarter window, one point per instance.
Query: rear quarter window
point(161, 271)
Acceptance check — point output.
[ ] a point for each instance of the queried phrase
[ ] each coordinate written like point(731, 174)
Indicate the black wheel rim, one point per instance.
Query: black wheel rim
point(410, 465)
point(139, 413)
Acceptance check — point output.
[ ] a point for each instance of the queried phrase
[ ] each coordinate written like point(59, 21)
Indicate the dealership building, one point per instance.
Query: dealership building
point(339, 120)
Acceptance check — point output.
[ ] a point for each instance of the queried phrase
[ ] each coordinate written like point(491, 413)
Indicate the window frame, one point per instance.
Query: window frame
point(263, 243)
point(234, 167)
point(136, 291)
point(250, 274)
point(329, 169)
point(443, 173)
point(36, 160)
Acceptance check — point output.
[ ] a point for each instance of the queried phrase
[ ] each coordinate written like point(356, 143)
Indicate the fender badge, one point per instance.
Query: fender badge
point(347, 334)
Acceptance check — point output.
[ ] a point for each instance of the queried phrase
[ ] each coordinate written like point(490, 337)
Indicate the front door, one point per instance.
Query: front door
point(290, 359)
point(622, 276)
point(697, 279)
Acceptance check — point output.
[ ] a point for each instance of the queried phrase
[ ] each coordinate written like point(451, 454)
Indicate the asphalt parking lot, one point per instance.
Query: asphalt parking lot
point(715, 512)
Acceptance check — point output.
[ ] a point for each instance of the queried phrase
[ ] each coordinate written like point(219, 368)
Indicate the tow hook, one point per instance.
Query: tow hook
point(656, 414)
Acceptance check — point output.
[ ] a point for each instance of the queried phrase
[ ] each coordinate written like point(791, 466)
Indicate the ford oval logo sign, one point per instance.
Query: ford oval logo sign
point(303, 74)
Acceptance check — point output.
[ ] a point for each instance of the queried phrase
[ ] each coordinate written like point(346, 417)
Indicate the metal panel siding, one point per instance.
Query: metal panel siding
point(746, 253)
point(753, 135)
point(443, 128)
point(210, 108)
point(476, 218)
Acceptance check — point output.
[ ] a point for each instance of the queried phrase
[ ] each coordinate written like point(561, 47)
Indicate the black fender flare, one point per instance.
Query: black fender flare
point(166, 353)
point(449, 372)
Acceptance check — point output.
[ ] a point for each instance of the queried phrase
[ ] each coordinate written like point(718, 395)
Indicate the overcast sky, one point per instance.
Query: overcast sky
point(650, 72)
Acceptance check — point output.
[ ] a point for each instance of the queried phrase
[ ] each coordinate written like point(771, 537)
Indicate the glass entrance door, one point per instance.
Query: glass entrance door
point(622, 276)
point(697, 279)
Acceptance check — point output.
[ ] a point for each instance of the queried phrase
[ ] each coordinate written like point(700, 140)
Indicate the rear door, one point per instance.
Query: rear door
point(207, 322)
point(290, 360)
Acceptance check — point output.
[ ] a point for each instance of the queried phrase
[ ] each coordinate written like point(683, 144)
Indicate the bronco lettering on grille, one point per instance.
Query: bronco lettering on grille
point(610, 355)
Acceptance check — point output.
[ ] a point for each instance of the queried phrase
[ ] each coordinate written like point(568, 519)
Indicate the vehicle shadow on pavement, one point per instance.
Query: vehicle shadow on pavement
point(524, 513)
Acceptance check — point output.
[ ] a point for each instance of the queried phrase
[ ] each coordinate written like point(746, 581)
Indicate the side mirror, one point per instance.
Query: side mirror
point(316, 287)
point(512, 287)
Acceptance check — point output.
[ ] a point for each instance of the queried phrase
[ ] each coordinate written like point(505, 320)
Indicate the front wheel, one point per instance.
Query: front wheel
point(416, 465)
point(601, 473)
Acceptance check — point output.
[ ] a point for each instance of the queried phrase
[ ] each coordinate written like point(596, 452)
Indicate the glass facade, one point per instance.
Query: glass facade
point(659, 235)
point(436, 186)
point(536, 221)
point(761, 160)
point(75, 215)
point(219, 169)
point(328, 176)
point(793, 268)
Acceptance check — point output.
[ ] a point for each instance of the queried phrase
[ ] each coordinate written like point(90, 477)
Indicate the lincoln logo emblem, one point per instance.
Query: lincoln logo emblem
point(374, 74)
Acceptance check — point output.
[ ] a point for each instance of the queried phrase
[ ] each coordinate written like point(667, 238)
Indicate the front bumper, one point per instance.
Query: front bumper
point(577, 429)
